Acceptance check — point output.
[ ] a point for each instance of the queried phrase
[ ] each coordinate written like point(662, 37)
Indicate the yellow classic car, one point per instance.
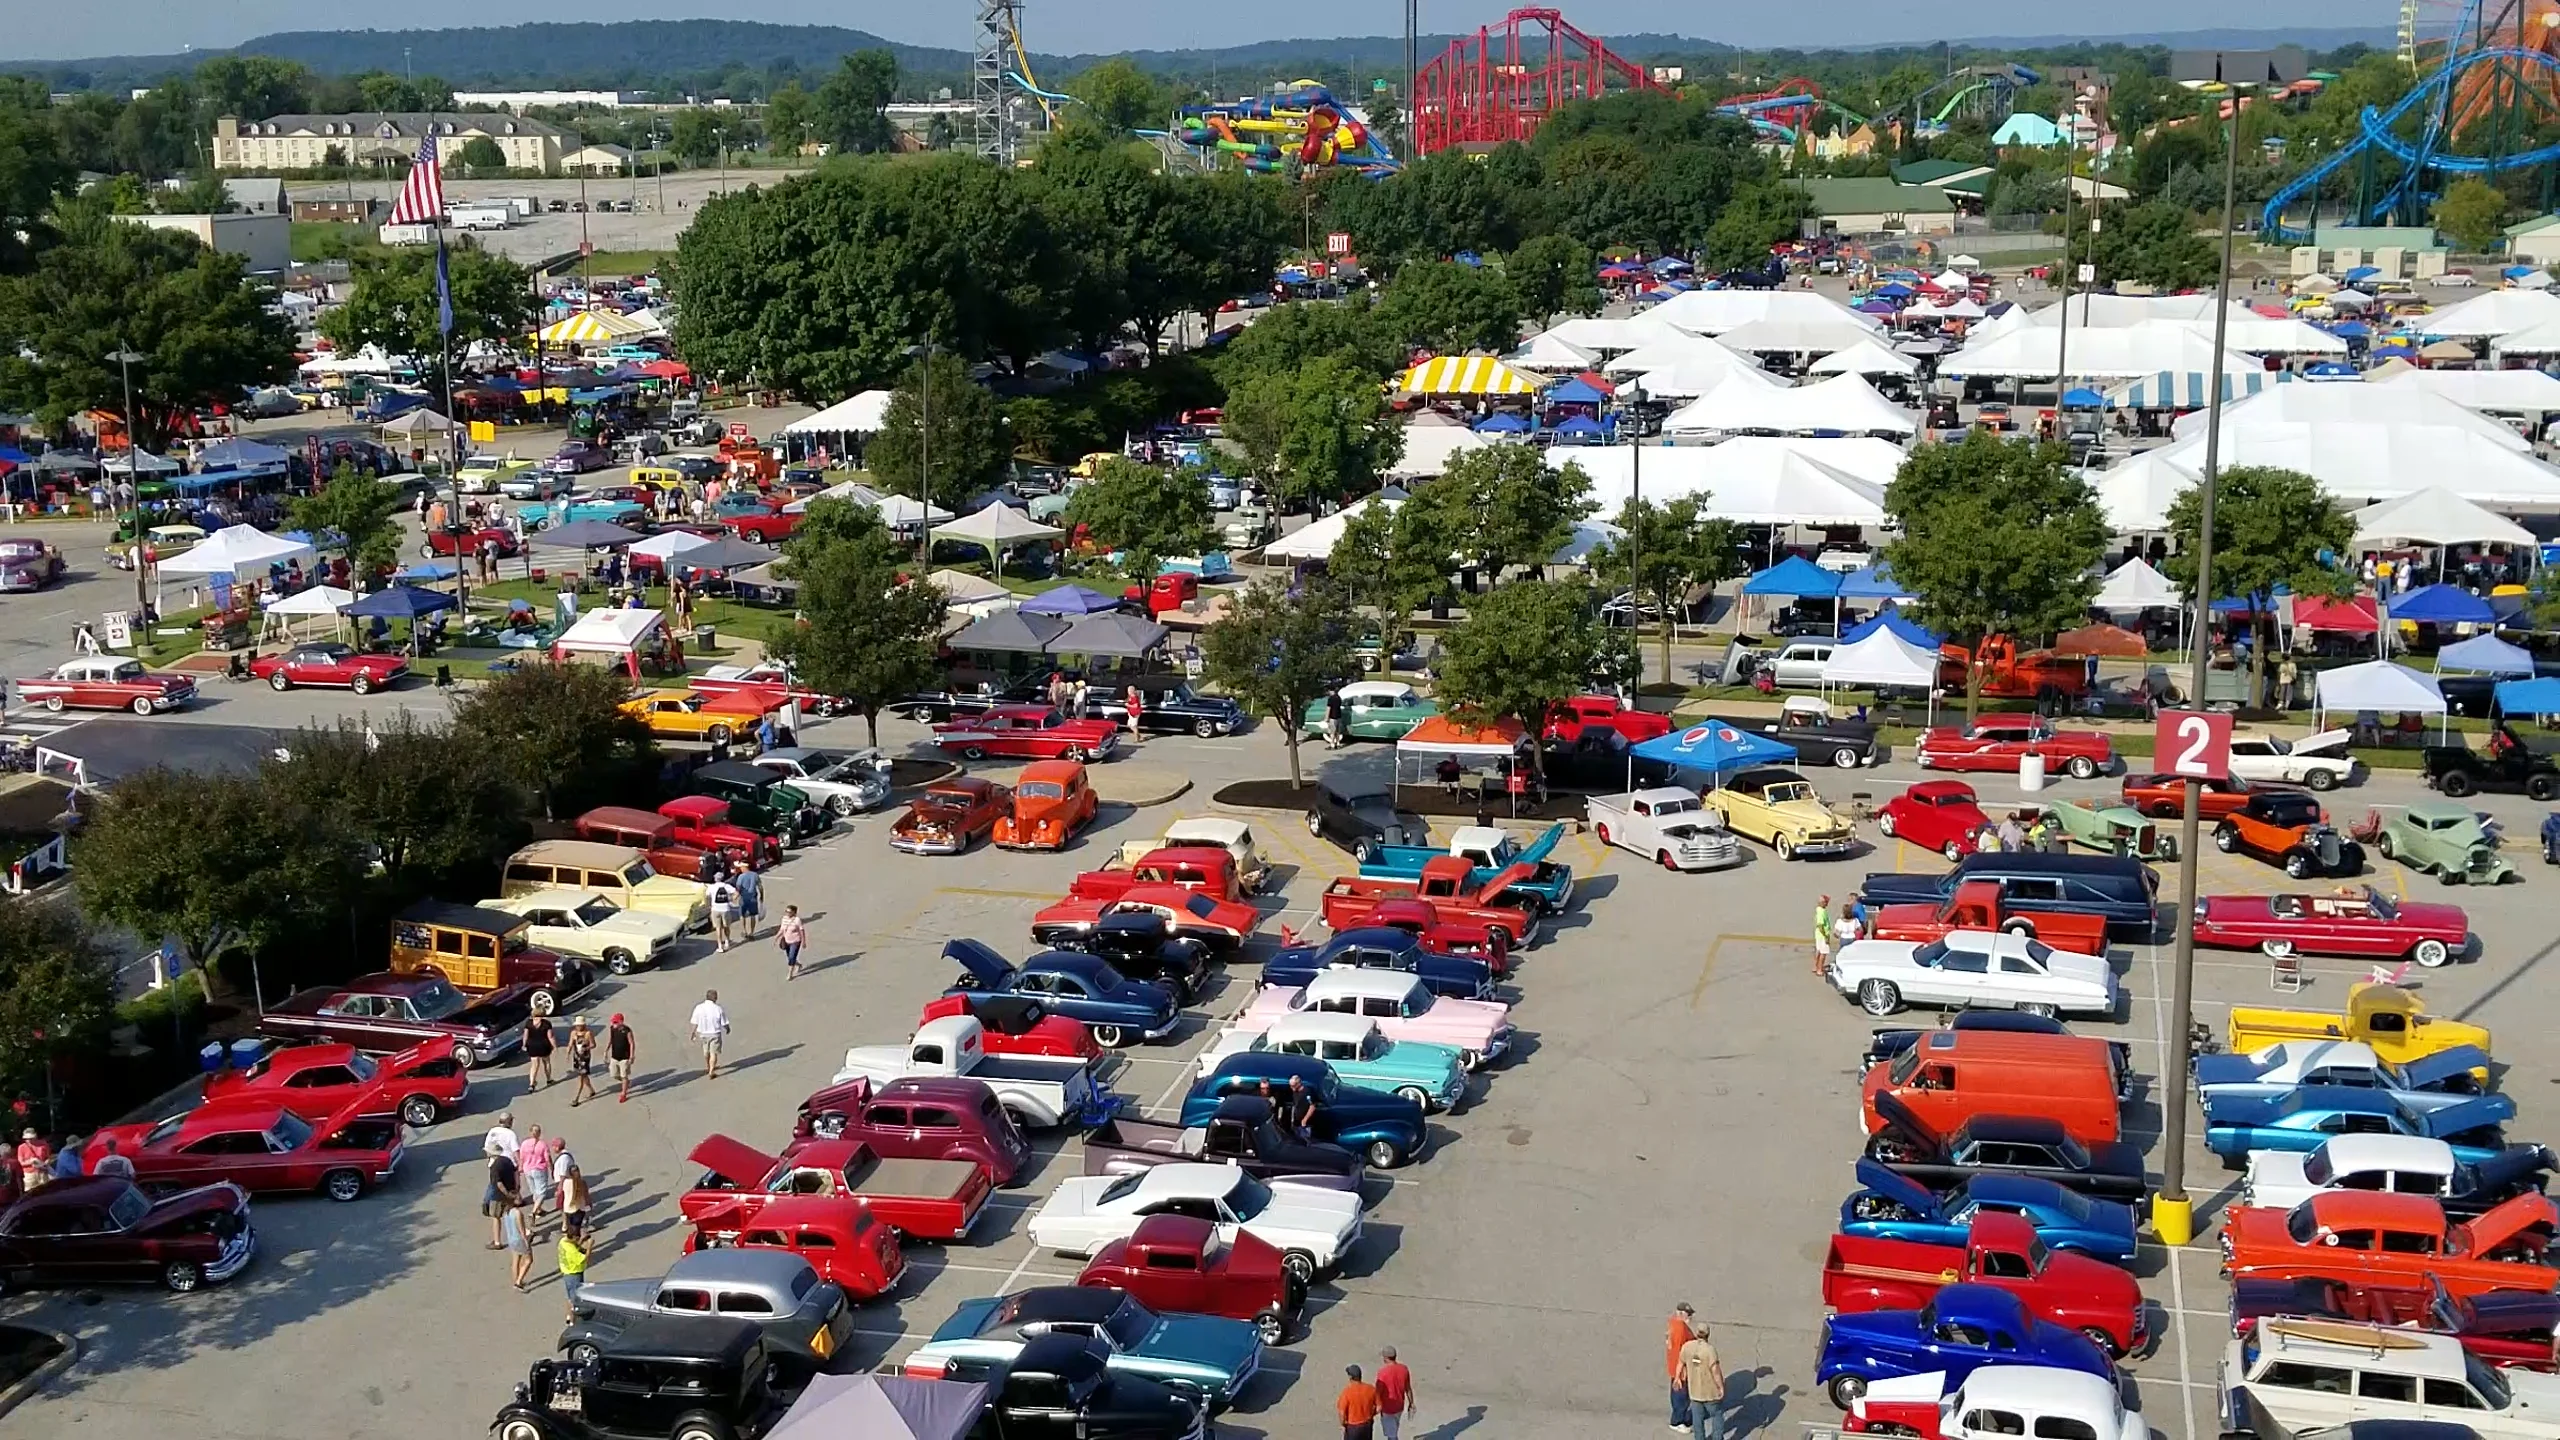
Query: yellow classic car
point(2391, 1020)
point(1780, 808)
point(687, 715)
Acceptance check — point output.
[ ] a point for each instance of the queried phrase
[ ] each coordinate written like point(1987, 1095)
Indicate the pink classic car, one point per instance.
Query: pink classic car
point(1480, 1030)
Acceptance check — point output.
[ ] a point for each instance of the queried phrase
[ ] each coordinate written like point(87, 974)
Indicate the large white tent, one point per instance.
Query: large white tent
point(1429, 448)
point(1588, 535)
point(2434, 516)
point(1867, 357)
point(1814, 334)
point(616, 632)
point(898, 512)
point(1843, 404)
point(1881, 657)
point(2302, 408)
point(1599, 335)
point(2267, 335)
point(1316, 540)
point(999, 527)
point(1691, 380)
point(1750, 482)
point(2135, 496)
point(2037, 352)
point(239, 551)
point(2135, 585)
point(2091, 311)
point(2499, 312)
point(1549, 355)
point(2542, 339)
point(2526, 392)
point(2353, 463)
point(1713, 312)
point(2382, 687)
point(1680, 350)
point(863, 414)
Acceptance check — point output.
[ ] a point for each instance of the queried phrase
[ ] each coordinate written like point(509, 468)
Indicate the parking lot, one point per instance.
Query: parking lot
point(1676, 1124)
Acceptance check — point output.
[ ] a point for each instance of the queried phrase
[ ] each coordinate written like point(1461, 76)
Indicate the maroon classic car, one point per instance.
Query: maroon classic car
point(27, 564)
point(259, 1146)
point(384, 1013)
point(104, 1230)
point(419, 1084)
point(467, 540)
point(919, 1119)
point(1177, 1264)
point(2503, 1327)
point(2000, 743)
point(2355, 921)
point(107, 682)
point(329, 663)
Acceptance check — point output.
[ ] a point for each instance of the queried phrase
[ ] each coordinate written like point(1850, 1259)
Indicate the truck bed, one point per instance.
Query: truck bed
point(944, 1180)
point(2263, 1026)
point(1123, 1144)
point(1870, 1259)
point(1027, 1069)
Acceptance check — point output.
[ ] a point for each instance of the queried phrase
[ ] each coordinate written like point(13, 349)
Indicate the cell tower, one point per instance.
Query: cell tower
point(999, 33)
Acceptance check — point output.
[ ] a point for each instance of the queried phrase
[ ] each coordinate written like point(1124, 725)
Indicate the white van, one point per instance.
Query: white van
point(2310, 1374)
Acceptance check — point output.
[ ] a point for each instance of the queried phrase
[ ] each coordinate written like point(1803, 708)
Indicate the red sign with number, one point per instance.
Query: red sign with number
point(2192, 744)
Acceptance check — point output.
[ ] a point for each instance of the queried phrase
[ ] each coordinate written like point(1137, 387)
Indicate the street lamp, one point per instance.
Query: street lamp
point(1631, 396)
point(125, 360)
point(924, 454)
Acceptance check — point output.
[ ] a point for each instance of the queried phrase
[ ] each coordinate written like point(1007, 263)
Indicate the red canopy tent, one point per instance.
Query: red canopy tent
point(2352, 616)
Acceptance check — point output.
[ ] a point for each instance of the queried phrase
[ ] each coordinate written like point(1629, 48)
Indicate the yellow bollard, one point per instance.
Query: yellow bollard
point(2174, 1221)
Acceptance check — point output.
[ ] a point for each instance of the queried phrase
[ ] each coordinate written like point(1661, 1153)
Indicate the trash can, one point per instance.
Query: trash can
point(705, 636)
point(2031, 772)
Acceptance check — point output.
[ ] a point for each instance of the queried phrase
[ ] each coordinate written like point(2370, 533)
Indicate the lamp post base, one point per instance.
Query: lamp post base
point(2173, 1221)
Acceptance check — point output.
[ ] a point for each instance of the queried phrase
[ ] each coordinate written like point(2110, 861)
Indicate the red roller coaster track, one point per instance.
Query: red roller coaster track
point(1501, 82)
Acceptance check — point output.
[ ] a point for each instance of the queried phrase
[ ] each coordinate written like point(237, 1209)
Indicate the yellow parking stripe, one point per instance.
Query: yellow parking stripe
point(1707, 965)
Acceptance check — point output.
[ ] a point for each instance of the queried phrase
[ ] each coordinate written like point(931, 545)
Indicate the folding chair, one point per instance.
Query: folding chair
point(2285, 973)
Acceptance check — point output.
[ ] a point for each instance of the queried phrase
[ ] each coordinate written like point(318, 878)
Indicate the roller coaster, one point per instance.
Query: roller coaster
point(1503, 81)
point(2498, 82)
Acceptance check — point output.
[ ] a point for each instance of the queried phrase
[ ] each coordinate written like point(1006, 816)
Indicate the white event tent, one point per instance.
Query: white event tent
point(898, 512)
point(863, 414)
point(667, 544)
point(1811, 334)
point(2525, 392)
point(2296, 409)
point(2135, 585)
point(1681, 350)
point(2499, 312)
point(1689, 381)
point(1713, 312)
point(1550, 355)
point(1843, 405)
point(617, 632)
point(1750, 482)
point(2355, 463)
point(2381, 687)
point(1316, 540)
point(1882, 657)
point(1867, 357)
point(999, 528)
point(1599, 335)
point(2434, 516)
point(239, 551)
point(2036, 352)
point(1428, 449)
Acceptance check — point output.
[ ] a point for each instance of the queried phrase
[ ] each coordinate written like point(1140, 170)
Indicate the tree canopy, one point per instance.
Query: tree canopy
point(360, 507)
point(943, 439)
point(1494, 507)
point(2270, 529)
point(559, 730)
point(1147, 511)
point(1522, 647)
point(394, 304)
point(1322, 431)
point(1666, 549)
point(866, 630)
point(1279, 652)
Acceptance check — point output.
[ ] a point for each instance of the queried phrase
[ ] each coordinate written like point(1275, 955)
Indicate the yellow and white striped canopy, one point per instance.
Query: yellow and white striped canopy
point(1466, 375)
point(589, 327)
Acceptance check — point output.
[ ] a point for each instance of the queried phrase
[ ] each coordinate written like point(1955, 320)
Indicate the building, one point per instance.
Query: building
point(2084, 188)
point(1877, 206)
point(1842, 145)
point(519, 101)
point(256, 195)
point(265, 242)
point(303, 142)
point(335, 212)
point(2535, 241)
point(596, 160)
point(1938, 172)
point(2033, 131)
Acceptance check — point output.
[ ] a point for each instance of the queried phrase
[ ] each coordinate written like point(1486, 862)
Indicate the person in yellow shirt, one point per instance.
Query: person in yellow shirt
point(573, 1265)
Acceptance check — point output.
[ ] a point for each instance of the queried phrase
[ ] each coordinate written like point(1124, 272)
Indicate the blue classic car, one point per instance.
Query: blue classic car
point(542, 516)
point(1117, 1009)
point(2429, 1082)
point(1894, 1208)
point(1379, 948)
point(1962, 1328)
point(2300, 1119)
point(1199, 1355)
point(1386, 1130)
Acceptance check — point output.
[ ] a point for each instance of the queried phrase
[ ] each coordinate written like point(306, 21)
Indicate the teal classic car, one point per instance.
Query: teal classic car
point(1431, 1076)
point(1200, 1355)
point(613, 512)
point(1373, 710)
point(2445, 838)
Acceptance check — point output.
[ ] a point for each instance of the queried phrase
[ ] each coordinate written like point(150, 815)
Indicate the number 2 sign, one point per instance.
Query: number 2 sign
point(2192, 744)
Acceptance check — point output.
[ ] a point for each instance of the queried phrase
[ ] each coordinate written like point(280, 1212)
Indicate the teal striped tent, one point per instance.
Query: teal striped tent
point(2186, 390)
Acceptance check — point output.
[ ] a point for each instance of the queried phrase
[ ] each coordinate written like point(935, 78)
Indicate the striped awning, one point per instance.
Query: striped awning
point(1466, 375)
point(2186, 390)
point(590, 327)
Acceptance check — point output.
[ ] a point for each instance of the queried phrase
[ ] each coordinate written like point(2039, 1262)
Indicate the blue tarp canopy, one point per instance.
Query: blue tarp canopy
point(2442, 605)
point(1894, 620)
point(1715, 746)
point(1671, 265)
point(2349, 330)
point(2082, 398)
point(1894, 291)
point(191, 484)
point(1875, 307)
point(400, 602)
point(1069, 600)
point(2362, 272)
point(1504, 424)
point(239, 454)
point(429, 570)
point(1576, 391)
point(1794, 575)
point(2526, 697)
point(2517, 272)
point(12, 456)
point(1875, 582)
point(1581, 427)
point(2485, 655)
point(2243, 605)
point(2331, 370)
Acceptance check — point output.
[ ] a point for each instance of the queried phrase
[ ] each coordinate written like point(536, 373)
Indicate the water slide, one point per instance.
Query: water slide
point(1301, 123)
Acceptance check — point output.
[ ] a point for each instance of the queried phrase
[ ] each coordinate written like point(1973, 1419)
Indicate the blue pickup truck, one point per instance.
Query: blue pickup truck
point(1490, 850)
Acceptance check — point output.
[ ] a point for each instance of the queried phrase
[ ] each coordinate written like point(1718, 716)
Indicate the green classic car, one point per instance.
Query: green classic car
point(2114, 829)
point(1373, 710)
point(1431, 1076)
point(2439, 836)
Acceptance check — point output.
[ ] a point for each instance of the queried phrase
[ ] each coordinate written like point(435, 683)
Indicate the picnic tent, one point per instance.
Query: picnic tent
point(589, 327)
point(1715, 746)
point(1110, 635)
point(400, 602)
point(898, 512)
point(1466, 375)
point(2381, 687)
point(2434, 516)
point(2136, 585)
point(999, 528)
point(1315, 541)
point(969, 594)
point(1070, 600)
point(1428, 447)
point(1867, 357)
point(863, 414)
point(239, 454)
point(1891, 618)
point(2441, 605)
point(136, 462)
point(310, 601)
point(667, 544)
point(238, 552)
point(1549, 354)
point(419, 422)
point(1793, 576)
point(1872, 582)
point(1478, 747)
point(1752, 480)
point(585, 535)
point(2539, 696)
point(725, 552)
point(1010, 632)
point(1882, 659)
point(616, 634)
point(1841, 405)
point(2484, 655)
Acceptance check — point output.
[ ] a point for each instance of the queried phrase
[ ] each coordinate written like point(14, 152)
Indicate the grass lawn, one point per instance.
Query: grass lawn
point(625, 262)
point(727, 616)
point(316, 240)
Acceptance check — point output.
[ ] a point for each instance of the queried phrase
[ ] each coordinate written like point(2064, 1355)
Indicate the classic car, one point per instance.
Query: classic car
point(1372, 710)
point(1448, 932)
point(1574, 719)
point(1052, 800)
point(2392, 1020)
point(2303, 1117)
point(163, 541)
point(1027, 732)
point(2360, 922)
point(849, 784)
point(2164, 797)
point(483, 474)
point(2445, 839)
point(577, 457)
point(1381, 948)
point(1492, 851)
point(27, 564)
point(950, 816)
point(2112, 829)
point(770, 525)
point(769, 674)
point(2123, 890)
point(661, 1378)
point(1386, 1130)
point(1167, 705)
point(1448, 884)
point(469, 540)
point(919, 1119)
point(849, 1245)
point(1178, 1263)
point(1977, 905)
point(1888, 1042)
point(534, 483)
point(761, 800)
point(1940, 815)
point(1401, 1006)
point(684, 715)
point(2427, 1083)
point(2508, 765)
point(1203, 869)
point(1241, 1131)
point(421, 1084)
point(703, 823)
point(1038, 1091)
point(1204, 832)
point(1083, 988)
point(1996, 1402)
point(480, 950)
point(585, 924)
point(384, 1013)
point(928, 1199)
point(1973, 968)
point(1954, 1076)
point(569, 510)
point(260, 1146)
point(1062, 1385)
point(1429, 1075)
point(2290, 829)
point(2320, 761)
point(1667, 825)
point(2002, 742)
point(1312, 1228)
point(931, 707)
point(1806, 722)
point(1224, 926)
point(2365, 1238)
point(1203, 1355)
point(1781, 809)
point(1890, 1207)
point(2017, 1145)
point(2102, 1301)
point(2504, 1328)
point(1961, 1329)
point(1017, 1024)
point(105, 1230)
point(107, 682)
point(804, 1317)
point(2399, 1164)
point(619, 866)
point(1141, 945)
point(1360, 821)
point(2341, 1381)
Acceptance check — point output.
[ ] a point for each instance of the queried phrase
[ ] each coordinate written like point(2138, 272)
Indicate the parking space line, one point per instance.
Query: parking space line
point(1707, 966)
point(2173, 1092)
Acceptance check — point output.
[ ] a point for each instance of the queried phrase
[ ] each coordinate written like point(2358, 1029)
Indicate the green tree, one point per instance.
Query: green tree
point(1118, 98)
point(867, 632)
point(1553, 275)
point(695, 137)
point(850, 104)
point(2154, 244)
point(361, 507)
point(2269, 529)
point(559, 730)
point(2473, 212)
point(425, 804)
point(1447, 307)
point(57, 994)
point(956, 457)
point(1279, 653)
point(394, 302)
point(481, 156)
point(1668, 548)
point(1131, 232)
point(1381, 571)
point(1494, 507)
point(34, 168)
point(253, 87)
point(1522, 647)
point(790, 117)
point(1149, 512)
point(1758, 217)
point(1320, 432)
point(1999, 537)
point(1290, 335)
point(202, 194)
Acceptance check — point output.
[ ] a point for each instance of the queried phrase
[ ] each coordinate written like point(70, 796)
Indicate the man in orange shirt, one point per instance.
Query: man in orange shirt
point(1357, 1406)
point(1678, 1333)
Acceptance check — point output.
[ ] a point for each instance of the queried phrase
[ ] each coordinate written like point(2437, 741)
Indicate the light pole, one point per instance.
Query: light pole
point(125, 358)
point(924, 455)
point(1631, 398)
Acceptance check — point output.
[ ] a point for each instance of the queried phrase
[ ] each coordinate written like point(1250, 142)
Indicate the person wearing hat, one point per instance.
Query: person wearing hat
point(1679, 1331)
point(35, 1158)
point(1357, 1407)
point(1702, 1379)
point(620, 1047)
point(582, 1060)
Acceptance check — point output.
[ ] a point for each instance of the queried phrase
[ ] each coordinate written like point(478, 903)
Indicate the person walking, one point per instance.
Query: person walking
point(577, 1202)
point(512, 1228)
point(498, 1143)
point(791, 932)
point(538, 1045)
point(750, 888)
point(621, 1047)
point(1702, 1376)
point(533, 1175)
point(1679, 1330)
point(1333, 721)
point(1079, 698)
point(1822, 936)
point(1136, 705)
point(499, 1196)
point(1357, 1407)
point(582, 1061)
point(710, 1027)
point(572, 1256)
point(724, 912)
point(1395, 1394)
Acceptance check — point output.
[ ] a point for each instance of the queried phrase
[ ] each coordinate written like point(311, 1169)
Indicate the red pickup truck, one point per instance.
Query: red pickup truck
point(1351, 900)
point(929, 1199)
point(1976, 906)
point(1445, 934)
point(1568, 720)
point(923, 1118)
point(2093, 1297)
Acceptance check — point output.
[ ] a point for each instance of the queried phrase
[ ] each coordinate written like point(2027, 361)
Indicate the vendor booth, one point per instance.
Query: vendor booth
point(624, 639)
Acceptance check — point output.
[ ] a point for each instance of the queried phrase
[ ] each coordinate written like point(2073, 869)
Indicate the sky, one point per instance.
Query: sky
point(150, 27)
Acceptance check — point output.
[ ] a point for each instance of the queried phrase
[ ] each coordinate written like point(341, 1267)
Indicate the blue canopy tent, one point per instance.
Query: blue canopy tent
point(2518, 272)
point(2525, 697)
point(1874, 582)
point(1504, 424)
point(1581, 430)
point(1714, 746)
point(1069, 600)
point(1894, 291)
point(2331, 370)
point(2484, 655)
point(1894, 620)
point(10, 455)
point(428, 570)
point(239, 454)
point(2081, 397)
point(2361, 272)
point(1794, 575)
point(2441, 605)
point(400, 602)
point(2349, 329)
point(1875, 307)
point(1671, 265)
point(1576, 391)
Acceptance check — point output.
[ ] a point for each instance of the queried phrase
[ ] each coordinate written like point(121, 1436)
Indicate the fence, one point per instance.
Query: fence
point(37, 866)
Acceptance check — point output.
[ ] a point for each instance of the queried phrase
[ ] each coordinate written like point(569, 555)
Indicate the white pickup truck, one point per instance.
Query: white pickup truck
point(1039, 1091)
point(1667, 826)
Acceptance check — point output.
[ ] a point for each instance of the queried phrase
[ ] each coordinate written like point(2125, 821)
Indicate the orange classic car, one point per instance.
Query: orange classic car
point(950, 816)
point(1052, 800)
point(2361, 1237)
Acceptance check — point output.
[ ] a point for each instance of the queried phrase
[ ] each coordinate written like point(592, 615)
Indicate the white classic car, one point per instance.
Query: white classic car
point(2429, 1083)
point(583, 923)
point(1671, 827)
point(1479, 1030)
point(2000, 1402)
point(2310, 1375)
point(2394, 1164)
point(1311, 1228)
point(1988, 969)
point(2319, 762)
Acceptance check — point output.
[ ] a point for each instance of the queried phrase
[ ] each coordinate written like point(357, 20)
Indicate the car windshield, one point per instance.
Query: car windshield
point(1369, 802)
point(1931, 955)
point(1201, 906)
point(596, 912)
point(2316, 1168)
point(2071, 1203)
point(128, 1209)
point(819, 765)
point(2382, 906)
point(1040, 790)
point(1249, 1198)
point(362, 1067)
point(1119, 1189)
point(437, 1000)
point(2485, 1379)
point(2302, 1225)
point(1787, 794)
point(288, 1133)
point(1129, 1325)
point(1905, 1065)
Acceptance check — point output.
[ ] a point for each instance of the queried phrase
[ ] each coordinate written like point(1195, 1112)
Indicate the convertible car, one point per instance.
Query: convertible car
point(1892, 1207)
point(2001, 743)
point(2359, 922)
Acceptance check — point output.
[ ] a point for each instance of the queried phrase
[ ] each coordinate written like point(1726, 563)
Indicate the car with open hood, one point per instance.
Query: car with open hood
point(2505, 1328)
point(2427, 1083)
point(849, 783)
point(848, 1244)
point(106, 1230)
point(2364, 1238)
point(928, 1199)
point(951, 815)
point(421, 1084)
point(2397, 1165)
point(2303, 1117)
point(1085, 988)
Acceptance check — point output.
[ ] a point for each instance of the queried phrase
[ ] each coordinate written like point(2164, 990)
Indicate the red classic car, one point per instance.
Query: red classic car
point(2000, 742)
point(1445, 933)
point(951, 815)
point(1938, 815)
point(767, 527)
point(2357, 921)
point(2504, 1327)
point(647, 831)
point(2164, 797)
point(1867, 1273)
point(930, 1199)
point(1225, 924)
point(767, 675)
point(1569, 720)
point(420, 1084)
point(1201, 868)
point(467, 540)
point(2360, 1237)
point(1028, 732)
point(1177, 1265)
point(702, 822)
point(921, 1118)
point(1017, 1025)
point(105, 682)
point(840, 1239)
point(328, 663)
point(259, 1146)
point(105, 1230)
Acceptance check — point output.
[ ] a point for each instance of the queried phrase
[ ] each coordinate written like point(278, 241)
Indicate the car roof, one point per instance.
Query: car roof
point(2043, 1389)
point(1060, 1305)
point(949, 1089)
point(1072, 962)
point(1209, 829)
point(461, 917)
point(2345, 1209)
point(2023, 1129)
point(1363, 984)
point(1376, 690)
point(1188, 1179)
point(1941, 790)
point(1264, 1065)
point(2029, 862)
point(98, 1190)
point(2389, 1152)
point(2440, 810)
point(775, 1270)
point(625, 817)
point(715, 1338)
point(1383, 937)
point(224, 1116)
point(1323, 1025)
point(960, 787)
point(2313, 1341)
point(1060, 771)
point(559, 896)
point(1764, 775)
point(1172, 1232)
point(737, 771)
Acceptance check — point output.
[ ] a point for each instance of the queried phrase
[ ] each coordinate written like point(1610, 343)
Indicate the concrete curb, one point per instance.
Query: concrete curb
point(17, 1394)
point(1151, 787)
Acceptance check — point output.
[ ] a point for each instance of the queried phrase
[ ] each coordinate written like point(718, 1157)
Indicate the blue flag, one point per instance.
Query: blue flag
point(444, 296)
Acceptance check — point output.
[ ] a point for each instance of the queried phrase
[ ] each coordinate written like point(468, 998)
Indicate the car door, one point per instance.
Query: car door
point(1959, 976)
point(240, 1155)
point(2014, 979)
point(318, 1091)
point(62, 1247)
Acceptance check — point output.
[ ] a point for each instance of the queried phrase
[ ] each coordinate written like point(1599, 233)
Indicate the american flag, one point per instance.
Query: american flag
point(421, 200)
